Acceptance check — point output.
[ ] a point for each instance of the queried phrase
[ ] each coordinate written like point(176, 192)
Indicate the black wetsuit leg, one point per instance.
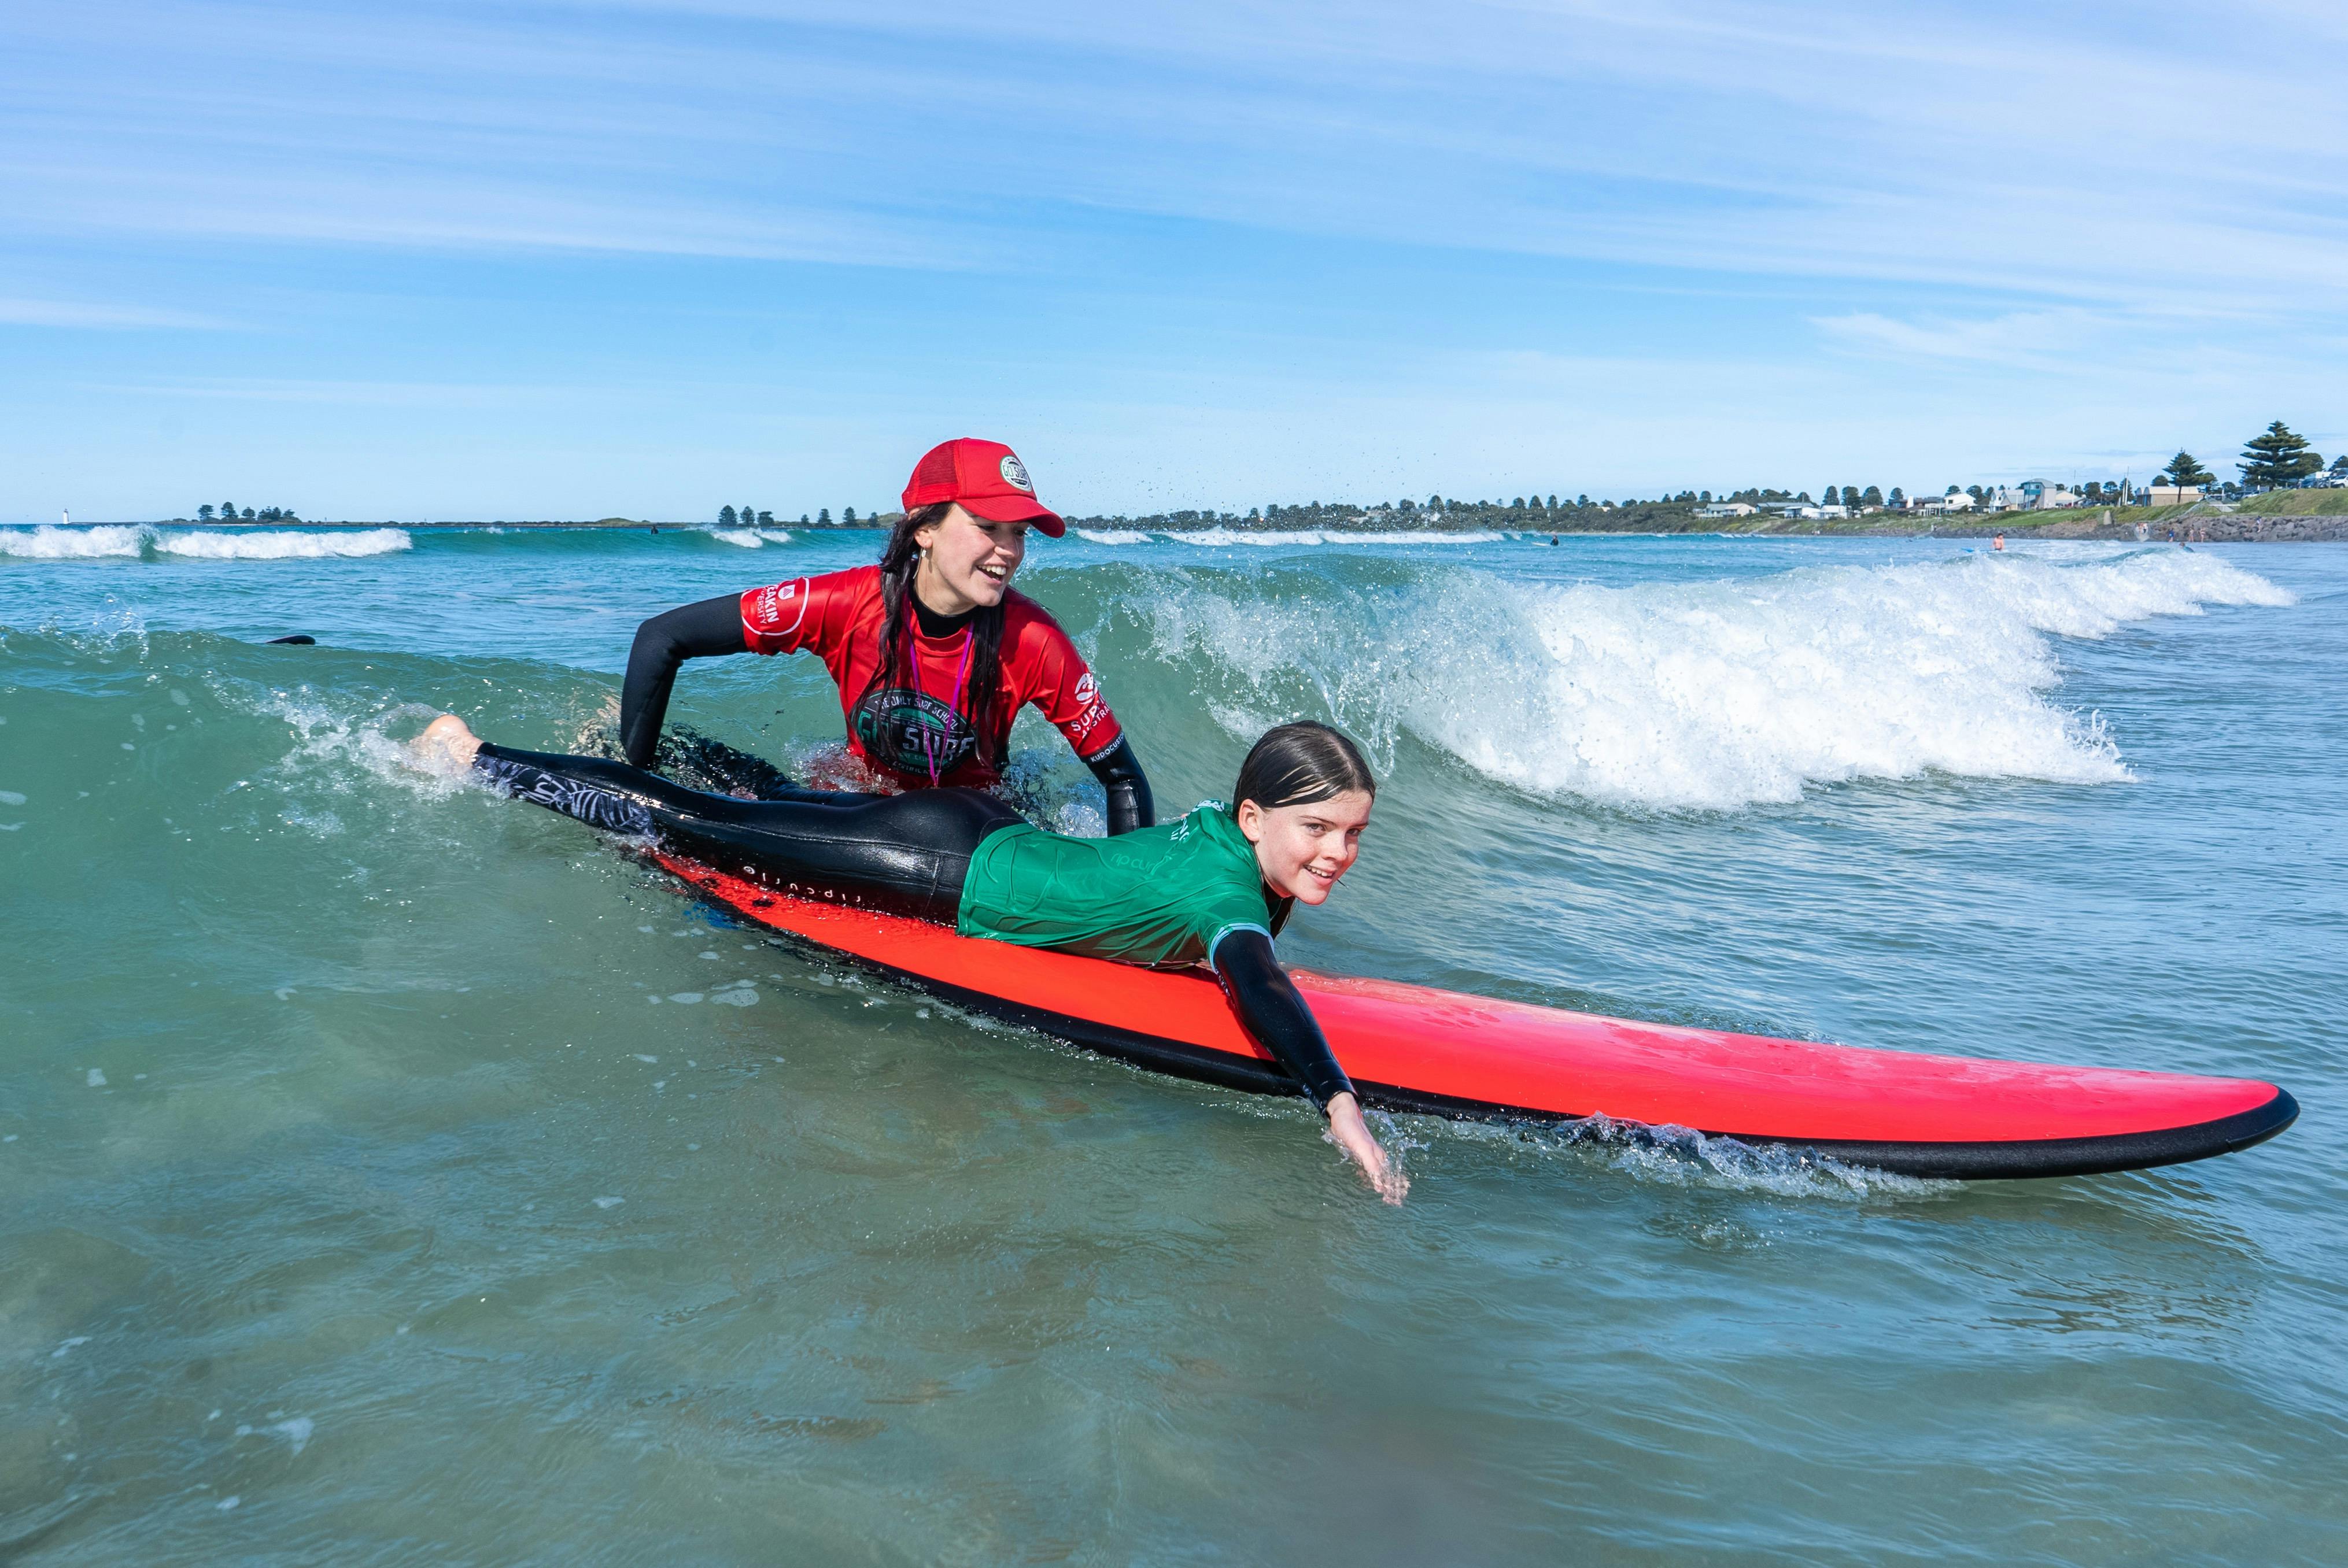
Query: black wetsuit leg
point(902, 854)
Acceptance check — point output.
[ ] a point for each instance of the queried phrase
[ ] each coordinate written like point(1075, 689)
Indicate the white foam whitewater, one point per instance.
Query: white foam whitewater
point(1217, 539)
point(1224, 539)
point(752, 538)
point(134, 541)
point(1719, 695)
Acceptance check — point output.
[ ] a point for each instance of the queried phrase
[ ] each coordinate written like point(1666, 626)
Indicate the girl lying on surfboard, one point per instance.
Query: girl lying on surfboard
point(1212, 887)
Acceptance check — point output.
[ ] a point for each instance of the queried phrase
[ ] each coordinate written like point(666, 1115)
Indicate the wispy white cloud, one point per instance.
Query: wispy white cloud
point(2038, 338)
point(1957, 146)
point(73, 314)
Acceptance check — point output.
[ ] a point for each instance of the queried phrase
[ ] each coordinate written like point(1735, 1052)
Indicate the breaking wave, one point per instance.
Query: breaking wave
point(140, 542)
point(1224, 539)
point(1710, 695)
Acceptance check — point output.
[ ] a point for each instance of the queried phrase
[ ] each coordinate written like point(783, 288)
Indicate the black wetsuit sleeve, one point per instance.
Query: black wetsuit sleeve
point(699, 631)
point(1119, 772)
point(1270, 1008)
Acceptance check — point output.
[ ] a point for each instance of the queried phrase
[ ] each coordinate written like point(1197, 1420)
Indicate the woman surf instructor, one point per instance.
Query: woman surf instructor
point(932, 651)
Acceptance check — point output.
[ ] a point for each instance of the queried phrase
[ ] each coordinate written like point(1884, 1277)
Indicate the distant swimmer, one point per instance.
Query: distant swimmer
point(1213, 888)
point(1997, 542)
point(1552, 539)
point(932, 652)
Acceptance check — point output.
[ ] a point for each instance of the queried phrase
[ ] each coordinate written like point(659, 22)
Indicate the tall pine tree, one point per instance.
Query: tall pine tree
point(2185, 469)
point(2277, 457)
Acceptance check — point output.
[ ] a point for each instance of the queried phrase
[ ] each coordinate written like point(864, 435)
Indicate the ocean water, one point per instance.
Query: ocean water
point(395, 1175)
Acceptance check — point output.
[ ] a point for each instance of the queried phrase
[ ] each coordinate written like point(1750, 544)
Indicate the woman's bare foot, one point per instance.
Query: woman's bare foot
point(448, 741)
point(1349, 1132)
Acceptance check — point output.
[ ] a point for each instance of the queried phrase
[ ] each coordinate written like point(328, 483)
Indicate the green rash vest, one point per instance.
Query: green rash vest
point(1161, 896)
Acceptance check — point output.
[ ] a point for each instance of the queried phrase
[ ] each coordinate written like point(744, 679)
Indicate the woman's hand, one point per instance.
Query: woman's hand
point(1349, 1132)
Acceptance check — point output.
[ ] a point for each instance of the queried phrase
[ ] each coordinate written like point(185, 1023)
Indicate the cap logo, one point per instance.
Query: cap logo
point(1015, 473)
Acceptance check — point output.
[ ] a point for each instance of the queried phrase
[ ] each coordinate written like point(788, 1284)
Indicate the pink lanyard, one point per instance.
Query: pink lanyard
point(929, 749)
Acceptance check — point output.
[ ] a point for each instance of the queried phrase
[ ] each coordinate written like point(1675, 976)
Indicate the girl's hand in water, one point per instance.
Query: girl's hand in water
point(1349, 1132)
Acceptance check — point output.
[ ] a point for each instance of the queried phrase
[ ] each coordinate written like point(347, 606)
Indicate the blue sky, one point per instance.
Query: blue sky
point(645, 257)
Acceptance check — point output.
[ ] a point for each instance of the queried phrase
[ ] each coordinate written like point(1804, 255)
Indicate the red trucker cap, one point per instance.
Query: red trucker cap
point(986, 477)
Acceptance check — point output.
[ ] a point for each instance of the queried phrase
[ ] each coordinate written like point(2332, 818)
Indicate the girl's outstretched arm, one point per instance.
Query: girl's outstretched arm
point(1270, 1008)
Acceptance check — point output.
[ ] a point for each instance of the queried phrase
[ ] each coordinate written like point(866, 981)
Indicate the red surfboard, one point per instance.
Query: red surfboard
point(1410, 1047)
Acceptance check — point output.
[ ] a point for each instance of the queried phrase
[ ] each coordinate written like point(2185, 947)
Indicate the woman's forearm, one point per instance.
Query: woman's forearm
point(1129, 802)
point(702, 630)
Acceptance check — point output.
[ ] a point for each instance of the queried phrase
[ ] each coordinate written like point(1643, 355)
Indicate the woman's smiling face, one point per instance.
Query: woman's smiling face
point(1302, 850)
point(968, 562)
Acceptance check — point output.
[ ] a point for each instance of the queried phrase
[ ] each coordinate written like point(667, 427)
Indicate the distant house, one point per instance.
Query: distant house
point(2037, 495)
point(1724, 510)
point(1954, 501)
point(1797, 509)
point(1836, 511)
point(2172, 495)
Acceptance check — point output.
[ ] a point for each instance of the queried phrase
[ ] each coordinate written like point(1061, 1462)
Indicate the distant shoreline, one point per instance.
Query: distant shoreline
point(2290, 515)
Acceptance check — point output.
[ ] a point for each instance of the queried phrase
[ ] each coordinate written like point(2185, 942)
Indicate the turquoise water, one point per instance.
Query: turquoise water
point(395, 1175)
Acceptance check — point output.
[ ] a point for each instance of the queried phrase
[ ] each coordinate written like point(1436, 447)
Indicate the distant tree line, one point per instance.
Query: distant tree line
point(227, 513)
point(755, 518)
point(2276, 458)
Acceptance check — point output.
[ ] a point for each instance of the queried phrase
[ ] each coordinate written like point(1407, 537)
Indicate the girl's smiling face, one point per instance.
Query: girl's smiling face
point(1302, 850)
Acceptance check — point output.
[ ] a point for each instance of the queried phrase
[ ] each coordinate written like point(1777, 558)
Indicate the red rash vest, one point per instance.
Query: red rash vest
point(917, 729)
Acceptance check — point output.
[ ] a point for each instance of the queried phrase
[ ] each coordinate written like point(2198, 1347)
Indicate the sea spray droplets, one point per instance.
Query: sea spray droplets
point(1713, 695)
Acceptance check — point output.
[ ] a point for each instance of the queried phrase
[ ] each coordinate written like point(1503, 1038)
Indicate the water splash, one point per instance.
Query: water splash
point(1710, 695)
point(1680, 1156)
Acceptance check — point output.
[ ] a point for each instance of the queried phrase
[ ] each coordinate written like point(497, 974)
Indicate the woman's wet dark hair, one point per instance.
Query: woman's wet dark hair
point(899, 561)
point(1300, 763)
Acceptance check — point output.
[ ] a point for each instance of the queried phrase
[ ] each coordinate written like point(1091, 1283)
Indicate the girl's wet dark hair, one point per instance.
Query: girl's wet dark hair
point(899, 560)
point(1300, 763)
